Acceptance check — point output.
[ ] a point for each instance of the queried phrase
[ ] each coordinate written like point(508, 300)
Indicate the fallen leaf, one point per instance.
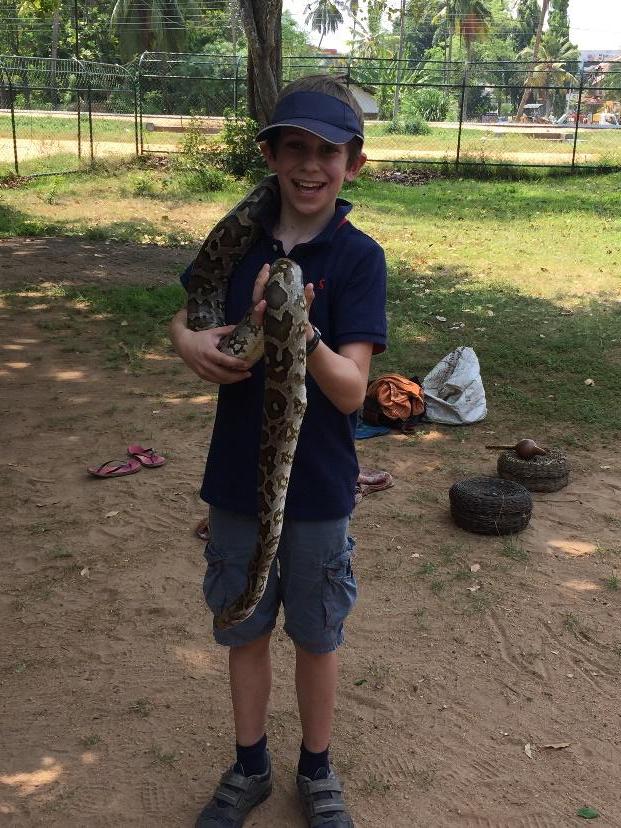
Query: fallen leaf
point(441, 318)
point(474, 588)
point(557, 745)
point(111, 514)
point(85, 572)
point(358, 682)
point(589, 381)
point(603, 468)
point(587, 813)
point(414, 555)
point(527, 750)
point(52, 502)
point(475, 567)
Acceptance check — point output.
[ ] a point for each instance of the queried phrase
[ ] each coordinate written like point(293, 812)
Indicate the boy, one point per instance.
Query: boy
point(313, 144)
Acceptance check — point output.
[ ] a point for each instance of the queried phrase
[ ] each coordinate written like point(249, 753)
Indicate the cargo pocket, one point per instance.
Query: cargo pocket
point(214, 587)
point(339, 587)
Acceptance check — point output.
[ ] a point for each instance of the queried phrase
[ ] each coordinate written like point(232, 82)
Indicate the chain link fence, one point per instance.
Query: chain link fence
point(59, 115)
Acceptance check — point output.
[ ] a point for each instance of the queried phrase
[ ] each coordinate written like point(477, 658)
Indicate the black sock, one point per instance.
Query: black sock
point(252, 759)
point(310, 763)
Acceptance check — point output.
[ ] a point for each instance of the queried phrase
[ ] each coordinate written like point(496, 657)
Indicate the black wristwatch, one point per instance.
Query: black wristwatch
point(312, 343)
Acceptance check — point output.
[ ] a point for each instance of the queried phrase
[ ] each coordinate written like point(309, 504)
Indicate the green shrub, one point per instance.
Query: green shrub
point(429, 104)
point(412, 124)
point(238, 152)
point(195, 164)
point(152, 102)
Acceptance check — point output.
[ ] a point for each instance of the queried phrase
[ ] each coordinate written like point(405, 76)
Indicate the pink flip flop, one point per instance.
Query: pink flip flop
point(114, 468)
point(147, 457)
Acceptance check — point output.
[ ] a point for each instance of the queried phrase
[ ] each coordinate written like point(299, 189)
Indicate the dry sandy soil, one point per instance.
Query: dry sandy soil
point(496, 708)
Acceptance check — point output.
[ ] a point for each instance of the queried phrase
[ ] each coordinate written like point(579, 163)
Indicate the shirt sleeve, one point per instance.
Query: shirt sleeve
point(359, 305)
point(185, 276)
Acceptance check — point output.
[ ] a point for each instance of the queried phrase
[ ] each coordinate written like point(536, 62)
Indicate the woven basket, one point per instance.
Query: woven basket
point(490, 506)
point(543, 473)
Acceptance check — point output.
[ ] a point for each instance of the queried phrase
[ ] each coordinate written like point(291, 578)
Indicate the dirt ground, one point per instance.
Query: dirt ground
point(487, 699)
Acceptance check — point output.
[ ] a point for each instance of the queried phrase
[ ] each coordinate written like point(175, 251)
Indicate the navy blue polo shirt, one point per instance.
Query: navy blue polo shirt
point(348, 270)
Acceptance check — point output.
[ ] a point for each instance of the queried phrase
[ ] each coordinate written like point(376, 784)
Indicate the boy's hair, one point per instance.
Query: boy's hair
point(329, 85)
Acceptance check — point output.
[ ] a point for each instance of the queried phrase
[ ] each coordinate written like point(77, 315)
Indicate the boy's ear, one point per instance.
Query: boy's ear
point(355, 167)
point(268, 155)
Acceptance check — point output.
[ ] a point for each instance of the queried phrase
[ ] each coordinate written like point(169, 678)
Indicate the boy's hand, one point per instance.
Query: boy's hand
point(309, 295)
point(199, 351)
point(258, 301)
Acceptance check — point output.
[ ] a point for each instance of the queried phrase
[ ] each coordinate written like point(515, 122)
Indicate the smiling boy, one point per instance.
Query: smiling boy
point(313, 144)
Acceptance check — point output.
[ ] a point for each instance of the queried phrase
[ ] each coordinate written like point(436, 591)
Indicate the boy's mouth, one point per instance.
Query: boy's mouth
point(308, 186)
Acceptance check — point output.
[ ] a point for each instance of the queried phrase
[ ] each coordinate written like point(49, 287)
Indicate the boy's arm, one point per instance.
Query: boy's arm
point(199, 351)
point(342, 376)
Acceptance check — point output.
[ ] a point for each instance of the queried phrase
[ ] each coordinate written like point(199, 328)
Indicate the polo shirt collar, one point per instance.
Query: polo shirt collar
point(341, 210)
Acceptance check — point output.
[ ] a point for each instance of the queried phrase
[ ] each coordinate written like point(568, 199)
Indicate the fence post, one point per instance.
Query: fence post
point(140, 111)
point(580, 88)
point(461, 119)
point(79, 110)
point(90, 116)
point(136, 115)
point(235, 85)
point(13, 130)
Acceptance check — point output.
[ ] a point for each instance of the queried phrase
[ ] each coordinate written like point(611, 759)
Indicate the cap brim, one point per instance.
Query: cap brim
point(330, 133)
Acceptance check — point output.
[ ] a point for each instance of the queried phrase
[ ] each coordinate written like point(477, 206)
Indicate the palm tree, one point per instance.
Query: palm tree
point(470, 19)
point(549, 70)
point(535, 55)
point(148, 25)
point(323, 16)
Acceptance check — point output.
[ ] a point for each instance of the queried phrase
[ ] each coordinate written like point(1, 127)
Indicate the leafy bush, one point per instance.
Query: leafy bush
point(412, 124)
point(238, 152)
point(152, 102)
point(196, 163)
point(429, 104)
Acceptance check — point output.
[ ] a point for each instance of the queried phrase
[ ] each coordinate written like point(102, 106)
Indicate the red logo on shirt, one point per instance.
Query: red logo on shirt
point(322, 284)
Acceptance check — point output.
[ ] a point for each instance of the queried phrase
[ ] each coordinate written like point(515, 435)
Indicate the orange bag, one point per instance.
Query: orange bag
point(394, 400)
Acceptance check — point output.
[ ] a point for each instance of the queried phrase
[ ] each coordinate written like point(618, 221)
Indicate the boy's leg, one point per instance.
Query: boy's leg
point(319, 590)
point(250, 676)
point(249, 781)
point(316, 677)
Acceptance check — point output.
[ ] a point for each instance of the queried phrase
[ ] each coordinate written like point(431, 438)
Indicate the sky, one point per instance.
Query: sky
point(594, 24)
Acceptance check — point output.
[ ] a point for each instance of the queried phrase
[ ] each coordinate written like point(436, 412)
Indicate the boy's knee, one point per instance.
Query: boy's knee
point(258, 647)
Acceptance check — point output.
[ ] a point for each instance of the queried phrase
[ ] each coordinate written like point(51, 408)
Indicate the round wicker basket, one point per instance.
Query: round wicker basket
point(543, 473)
point(490, 506)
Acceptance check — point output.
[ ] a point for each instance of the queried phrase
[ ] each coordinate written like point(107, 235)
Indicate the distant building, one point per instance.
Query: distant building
point(598, 55)
point(366, 100)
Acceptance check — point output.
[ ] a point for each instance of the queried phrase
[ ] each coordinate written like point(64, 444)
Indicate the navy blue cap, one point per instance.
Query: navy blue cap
point(323, 115)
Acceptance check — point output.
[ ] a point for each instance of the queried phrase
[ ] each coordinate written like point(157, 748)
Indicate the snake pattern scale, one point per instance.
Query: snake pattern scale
point(282, 342)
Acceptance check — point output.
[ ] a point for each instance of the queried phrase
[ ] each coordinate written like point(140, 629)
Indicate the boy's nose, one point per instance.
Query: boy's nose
point(311, 158)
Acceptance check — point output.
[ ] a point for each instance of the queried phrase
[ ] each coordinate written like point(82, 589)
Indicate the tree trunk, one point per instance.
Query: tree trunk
point(54, 56)
point(464, 111)
point(262, 25)
point(527, 89)
point(395, 104)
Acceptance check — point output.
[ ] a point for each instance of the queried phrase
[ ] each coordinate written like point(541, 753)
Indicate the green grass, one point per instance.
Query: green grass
point(526, 272)
point(599, 146)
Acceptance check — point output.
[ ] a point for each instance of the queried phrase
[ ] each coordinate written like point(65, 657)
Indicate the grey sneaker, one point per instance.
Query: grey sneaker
point(234, 798)
point(323, 803)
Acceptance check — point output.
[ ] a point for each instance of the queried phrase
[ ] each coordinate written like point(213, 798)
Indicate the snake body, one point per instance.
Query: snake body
point(282, 342)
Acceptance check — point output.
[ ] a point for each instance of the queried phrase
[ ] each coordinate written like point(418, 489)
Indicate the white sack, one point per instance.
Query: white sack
point(454, 391)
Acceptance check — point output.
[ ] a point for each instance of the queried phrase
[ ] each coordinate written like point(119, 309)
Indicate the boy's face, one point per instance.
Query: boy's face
point(310, 171)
